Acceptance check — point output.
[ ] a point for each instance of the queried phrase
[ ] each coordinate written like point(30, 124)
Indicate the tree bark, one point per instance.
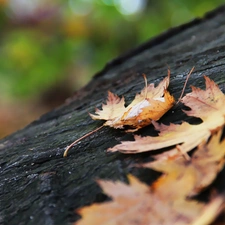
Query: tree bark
point(39, 186)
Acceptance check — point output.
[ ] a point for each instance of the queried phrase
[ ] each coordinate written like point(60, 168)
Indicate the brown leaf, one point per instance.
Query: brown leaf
point(139, 204)
point(151, 104)
point(185, 134)
point(112, 109)
point(202, 168)
point(166, 201)
point(206, 104)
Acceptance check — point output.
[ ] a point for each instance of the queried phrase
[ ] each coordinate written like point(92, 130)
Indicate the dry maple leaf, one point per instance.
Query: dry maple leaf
point(166, 201)
point(151, 104)
point(140, 204)
point(206, 104)
point(203, 166)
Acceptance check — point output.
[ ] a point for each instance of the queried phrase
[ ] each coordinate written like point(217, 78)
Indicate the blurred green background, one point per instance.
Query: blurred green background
point(50, 48)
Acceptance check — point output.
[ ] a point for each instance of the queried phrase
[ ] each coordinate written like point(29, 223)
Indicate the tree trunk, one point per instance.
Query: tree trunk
point(39, 186)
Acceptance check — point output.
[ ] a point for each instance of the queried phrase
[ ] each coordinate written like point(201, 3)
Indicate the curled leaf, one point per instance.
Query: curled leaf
point(151, 104)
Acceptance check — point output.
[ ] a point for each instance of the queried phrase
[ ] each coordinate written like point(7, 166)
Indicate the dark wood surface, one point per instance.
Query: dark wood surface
point(39, 186)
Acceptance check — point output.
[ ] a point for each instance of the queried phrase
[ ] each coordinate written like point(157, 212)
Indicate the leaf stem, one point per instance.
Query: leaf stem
point(146, 85)
point(185, 84)
point(79, 139)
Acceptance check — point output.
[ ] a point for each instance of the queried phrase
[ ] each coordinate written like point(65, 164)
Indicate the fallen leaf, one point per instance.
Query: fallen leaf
point(207, 105)
point(185, 134)
point(140, 204)
point(151, 104)
point(202, 167)
point(167, 200)
point(208, 160)
point(210, 212)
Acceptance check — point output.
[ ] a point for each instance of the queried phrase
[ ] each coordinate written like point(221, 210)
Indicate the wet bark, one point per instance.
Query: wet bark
point(39, 186)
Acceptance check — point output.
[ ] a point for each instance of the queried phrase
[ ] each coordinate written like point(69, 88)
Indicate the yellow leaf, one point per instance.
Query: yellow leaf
point(151, 104)
point(113, 108)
